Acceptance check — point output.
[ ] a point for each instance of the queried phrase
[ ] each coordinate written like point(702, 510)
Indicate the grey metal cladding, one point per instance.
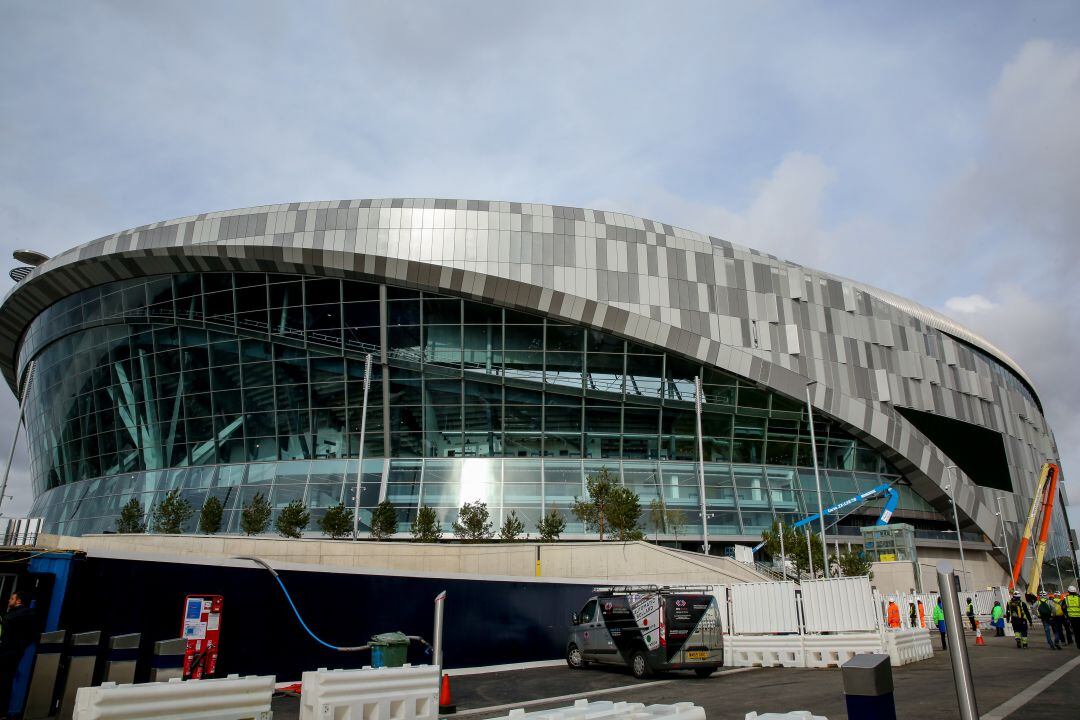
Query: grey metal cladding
point(693, 293)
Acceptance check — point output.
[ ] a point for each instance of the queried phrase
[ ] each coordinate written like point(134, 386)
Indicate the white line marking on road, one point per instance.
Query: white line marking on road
point(1023, 697)
point(509, 667)
point(590, 693)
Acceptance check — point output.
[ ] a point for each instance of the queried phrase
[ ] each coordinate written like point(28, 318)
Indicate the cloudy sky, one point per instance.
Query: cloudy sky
point(927, 148)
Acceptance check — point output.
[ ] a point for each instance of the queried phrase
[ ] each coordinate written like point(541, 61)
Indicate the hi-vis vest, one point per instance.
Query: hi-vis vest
point(1072, 605)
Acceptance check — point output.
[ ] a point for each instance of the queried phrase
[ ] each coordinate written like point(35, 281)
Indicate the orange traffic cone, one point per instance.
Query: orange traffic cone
point(446, 702)
point(978, 635)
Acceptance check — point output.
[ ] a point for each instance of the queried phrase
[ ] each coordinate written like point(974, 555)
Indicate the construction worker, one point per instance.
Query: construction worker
point(922, 614)
point(1019, 615)
point(1044, 609)
point(1065, 624)
point(18, 628)
point(971, 614)
point(997, 619)
point(913, 618)
point(1072, 613)
point(893, 614)
point(1057, 618)
point(939, 620)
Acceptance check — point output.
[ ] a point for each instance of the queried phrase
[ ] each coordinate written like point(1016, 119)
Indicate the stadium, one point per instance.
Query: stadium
point(516, 349)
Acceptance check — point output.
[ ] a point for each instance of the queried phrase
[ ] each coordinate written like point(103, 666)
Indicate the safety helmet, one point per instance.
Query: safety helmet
point(1072, 588)
point(1042, 593)
point(1016, 593)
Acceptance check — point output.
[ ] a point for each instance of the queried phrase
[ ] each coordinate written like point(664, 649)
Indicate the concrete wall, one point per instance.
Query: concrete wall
point(637, 562)
point(982, 571)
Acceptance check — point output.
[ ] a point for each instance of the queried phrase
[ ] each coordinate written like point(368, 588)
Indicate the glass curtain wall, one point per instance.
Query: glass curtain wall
point(230, 384)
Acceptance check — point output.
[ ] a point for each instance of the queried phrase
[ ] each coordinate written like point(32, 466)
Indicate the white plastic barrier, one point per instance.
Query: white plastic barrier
point(839, 605)
point(908, 646)
point(397, 693)
point(793, 715)
point(821, 651)
point(763, 651)
point(230, 698)
point(608, 710)
point(764, 608)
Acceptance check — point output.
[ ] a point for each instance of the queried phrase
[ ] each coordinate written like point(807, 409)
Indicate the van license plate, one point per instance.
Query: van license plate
point(697, 655)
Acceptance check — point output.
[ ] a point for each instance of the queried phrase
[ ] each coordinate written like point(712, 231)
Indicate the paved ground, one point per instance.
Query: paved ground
point(924, 690)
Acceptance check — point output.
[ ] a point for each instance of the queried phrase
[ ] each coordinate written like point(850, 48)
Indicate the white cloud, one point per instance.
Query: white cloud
point(968, 304)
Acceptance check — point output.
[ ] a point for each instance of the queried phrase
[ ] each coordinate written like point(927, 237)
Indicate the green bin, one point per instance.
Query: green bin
point(389, 649)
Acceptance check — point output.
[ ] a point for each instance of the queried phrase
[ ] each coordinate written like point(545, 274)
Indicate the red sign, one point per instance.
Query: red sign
point(202, 630)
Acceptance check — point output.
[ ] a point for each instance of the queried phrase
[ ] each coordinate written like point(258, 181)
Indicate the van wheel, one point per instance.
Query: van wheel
point(639, 665)
point(573, 657)
point(704, 672)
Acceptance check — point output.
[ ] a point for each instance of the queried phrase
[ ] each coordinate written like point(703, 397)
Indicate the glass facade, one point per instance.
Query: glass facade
point(230, 384)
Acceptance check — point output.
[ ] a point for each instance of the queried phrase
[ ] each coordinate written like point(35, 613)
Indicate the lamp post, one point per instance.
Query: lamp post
point(956, 519)
point(701, 465)
point(360, 460)
point(817, 481)
point(1004, 532)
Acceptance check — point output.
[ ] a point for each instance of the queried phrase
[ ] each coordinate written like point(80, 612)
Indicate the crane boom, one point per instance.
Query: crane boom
point(883, 490)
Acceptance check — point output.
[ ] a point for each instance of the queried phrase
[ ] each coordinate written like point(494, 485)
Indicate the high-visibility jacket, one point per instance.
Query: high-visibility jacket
point(922, 614)
point(1055, 607)
point(1072, 605)
point(938, 614)
point(996, 613)
point(1018, 610)
point(894, 615)
point(970, 610)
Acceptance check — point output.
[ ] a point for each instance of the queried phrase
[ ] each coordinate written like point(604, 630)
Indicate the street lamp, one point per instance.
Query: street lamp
point(956, 519)
point(1004, 532)
point(817, 481)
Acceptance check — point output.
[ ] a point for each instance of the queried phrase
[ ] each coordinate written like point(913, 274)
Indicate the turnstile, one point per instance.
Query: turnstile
point(48, 663)
point(82, 662)
point(122, 658)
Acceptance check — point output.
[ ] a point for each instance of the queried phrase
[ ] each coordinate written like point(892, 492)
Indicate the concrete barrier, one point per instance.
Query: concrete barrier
point(231, 698)
point(396, 693)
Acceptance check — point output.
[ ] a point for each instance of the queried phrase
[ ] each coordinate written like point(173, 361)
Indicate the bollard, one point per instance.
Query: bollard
point(82, 662)
point(868, 687)
point(41, 697)
point(948, 584)
point(122, 658)
point(168, 660)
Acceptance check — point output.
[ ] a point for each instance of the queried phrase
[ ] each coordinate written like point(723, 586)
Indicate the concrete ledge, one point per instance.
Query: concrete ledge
point(612, 562)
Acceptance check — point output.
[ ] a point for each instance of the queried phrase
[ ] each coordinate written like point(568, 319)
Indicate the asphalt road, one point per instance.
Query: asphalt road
point(924, 690)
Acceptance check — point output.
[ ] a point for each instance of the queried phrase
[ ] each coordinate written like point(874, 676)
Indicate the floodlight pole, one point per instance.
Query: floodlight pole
point(15, 438)
point(1004, 531)
point(360, 461)
point(817, 481)
point(701, 465)
point(783, 561)
point(956, 519)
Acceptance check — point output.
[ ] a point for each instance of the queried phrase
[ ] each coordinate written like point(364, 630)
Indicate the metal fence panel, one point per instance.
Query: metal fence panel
point(764, 608)
point(839, 605)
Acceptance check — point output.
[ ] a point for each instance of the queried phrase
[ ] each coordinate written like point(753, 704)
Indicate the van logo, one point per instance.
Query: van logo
point(680, 603)
point(607, 606)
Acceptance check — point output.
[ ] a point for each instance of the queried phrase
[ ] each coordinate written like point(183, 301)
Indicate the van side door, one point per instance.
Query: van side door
point(590, 630)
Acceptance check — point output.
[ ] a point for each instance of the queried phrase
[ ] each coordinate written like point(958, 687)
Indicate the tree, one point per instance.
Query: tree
point(383, 520)
point(131, 518)
point(425, 528)
point(851, 563)
point(255, 516)
point(512, 528)
point(210, 516)
point(592, 511)
point(794, 547)
point(551, 526)
point(624, 514)
point(658, 517)
point(293, 519)
point(676, 519)
point(337, 522)
point(171, 514)
point(473, 523)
